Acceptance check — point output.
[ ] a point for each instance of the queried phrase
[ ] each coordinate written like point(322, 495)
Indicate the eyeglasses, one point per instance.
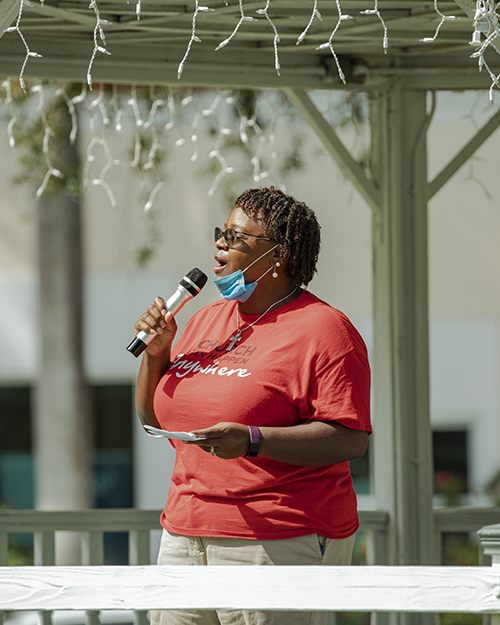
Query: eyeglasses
point(231, 236)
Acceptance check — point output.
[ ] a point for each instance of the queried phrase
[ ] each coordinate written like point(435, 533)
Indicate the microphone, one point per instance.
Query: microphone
point(189, 287)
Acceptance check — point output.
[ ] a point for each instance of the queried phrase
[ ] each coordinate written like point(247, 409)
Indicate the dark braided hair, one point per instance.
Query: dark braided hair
point(290, 223)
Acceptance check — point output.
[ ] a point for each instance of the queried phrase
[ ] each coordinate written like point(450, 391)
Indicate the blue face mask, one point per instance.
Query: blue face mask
point(233, 287)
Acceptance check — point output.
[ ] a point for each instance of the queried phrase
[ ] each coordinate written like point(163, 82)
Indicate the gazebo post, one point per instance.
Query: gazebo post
point(489, 538)
point(397, 192)
point(403, 466)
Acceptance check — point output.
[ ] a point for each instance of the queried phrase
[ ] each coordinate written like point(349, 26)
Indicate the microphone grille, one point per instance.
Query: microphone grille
point(197, 277)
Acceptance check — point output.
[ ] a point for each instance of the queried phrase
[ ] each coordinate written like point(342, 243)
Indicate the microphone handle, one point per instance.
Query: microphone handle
point(173, 305)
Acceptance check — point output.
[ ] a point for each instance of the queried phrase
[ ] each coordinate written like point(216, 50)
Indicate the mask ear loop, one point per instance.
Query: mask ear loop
point(265, 274)
point(257, 259)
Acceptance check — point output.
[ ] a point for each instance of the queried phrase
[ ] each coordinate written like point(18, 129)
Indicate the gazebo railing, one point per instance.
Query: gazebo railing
point(91, 525)
point(421, 589)
point(138, 524)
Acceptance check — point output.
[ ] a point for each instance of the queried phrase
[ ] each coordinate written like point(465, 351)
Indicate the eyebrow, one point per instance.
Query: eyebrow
point(237, 228)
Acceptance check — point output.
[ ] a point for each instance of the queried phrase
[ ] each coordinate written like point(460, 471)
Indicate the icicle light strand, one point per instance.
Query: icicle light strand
point(13, 115)
point(243, 18)
point(194, 37)
point(486, 23)
point(98, 32)
point(29, 53)
point(375, 11)
point(315, 13)
point(276, 39)
point(72, 113)
point(328, 44)
point(51, 170)
point(164, 118)
point(96, 106)
point(444, 18)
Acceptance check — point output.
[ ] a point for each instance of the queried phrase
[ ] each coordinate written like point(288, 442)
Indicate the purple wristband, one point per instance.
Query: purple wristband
point(253, 450)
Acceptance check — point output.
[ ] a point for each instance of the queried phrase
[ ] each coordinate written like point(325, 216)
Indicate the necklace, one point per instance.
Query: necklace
point(237, 337)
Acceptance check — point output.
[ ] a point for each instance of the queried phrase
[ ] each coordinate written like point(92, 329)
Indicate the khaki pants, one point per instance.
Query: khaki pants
point(304, 550)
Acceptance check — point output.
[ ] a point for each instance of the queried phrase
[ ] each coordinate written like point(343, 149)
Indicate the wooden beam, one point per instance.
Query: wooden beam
point(120, 71)
point(334, 146)
point(463, 156)
point(9, 10)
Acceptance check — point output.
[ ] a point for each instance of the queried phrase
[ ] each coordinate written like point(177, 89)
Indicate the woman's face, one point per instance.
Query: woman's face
point(245, 250)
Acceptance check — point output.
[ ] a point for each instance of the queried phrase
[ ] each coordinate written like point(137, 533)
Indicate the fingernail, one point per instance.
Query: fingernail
point(163, 312)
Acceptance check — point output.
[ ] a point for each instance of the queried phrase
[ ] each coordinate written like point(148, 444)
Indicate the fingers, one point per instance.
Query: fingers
point(214, 450)
point(224, 440)
point(209, 440)
point(159, 322)
point(211, 449)
point(153, 320)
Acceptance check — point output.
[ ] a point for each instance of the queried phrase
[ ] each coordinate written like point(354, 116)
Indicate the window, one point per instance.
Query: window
point(112, 409)
point(16, 464)
point(450, 464)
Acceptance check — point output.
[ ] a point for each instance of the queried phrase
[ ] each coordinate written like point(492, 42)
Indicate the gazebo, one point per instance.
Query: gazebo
point(358, 45)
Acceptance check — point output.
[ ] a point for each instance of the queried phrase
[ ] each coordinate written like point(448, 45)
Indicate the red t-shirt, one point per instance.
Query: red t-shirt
point(303, 361)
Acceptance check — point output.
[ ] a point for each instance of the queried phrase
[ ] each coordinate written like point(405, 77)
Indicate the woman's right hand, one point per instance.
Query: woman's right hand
point(156, 320)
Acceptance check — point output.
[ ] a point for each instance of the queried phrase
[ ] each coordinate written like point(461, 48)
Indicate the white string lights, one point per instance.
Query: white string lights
point(158, 121)
point(99, 117)
point(486, 24)
point(375, 11)
point(486, 17)
point(444, 18)
point(17, 28)
point(243, 18)
point(315, 14)
point(276, 39)
point(149, 134)
point(12, 111)
point(342, 18)
point(98, 34)
point(48, 133)
point(194, 37)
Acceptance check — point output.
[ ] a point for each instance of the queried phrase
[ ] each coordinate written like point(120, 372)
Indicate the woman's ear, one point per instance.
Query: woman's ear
point(281, 254)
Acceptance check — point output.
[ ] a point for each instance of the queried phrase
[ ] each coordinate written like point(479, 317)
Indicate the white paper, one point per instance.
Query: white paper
point(183, 436)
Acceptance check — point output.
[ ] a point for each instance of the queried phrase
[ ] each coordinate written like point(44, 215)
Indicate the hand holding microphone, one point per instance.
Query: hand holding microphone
point(153, 323)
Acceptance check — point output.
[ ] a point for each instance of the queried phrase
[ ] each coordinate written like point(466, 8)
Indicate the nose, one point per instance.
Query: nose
point(220, 243)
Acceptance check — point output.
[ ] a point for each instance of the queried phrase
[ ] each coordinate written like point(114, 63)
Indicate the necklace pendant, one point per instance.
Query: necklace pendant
point(233, 340)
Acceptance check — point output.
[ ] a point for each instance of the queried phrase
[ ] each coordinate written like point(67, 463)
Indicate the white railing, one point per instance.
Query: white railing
point(364, 588)
point(291, 588)
point(91, 524)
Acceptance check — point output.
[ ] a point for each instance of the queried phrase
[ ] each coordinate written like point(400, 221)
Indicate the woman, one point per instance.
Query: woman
point(275, 384)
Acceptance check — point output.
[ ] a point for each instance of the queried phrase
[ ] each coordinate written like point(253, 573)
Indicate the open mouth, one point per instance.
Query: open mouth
point(220, 266)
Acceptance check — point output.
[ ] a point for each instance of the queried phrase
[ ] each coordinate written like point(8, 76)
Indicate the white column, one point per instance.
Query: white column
point(403, 472)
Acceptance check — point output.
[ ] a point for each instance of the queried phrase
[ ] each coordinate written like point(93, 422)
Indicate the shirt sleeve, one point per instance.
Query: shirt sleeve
point(341, 392)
